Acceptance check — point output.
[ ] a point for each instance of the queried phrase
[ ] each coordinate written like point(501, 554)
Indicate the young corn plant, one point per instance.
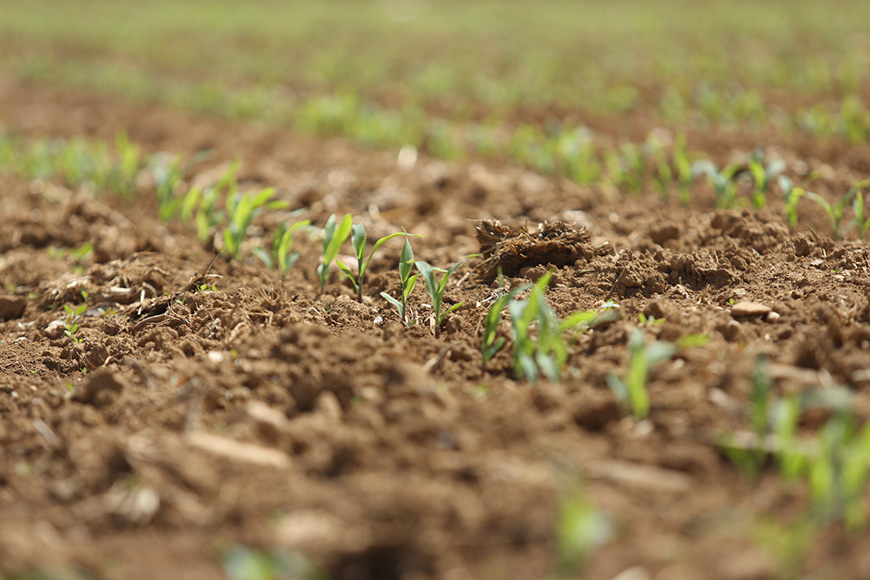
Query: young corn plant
point(436, 288)
point(683, 165)
point(859, 220)
point(662, 173)
point(491, 343)
point(834, 462)
point(835, 211)
point(631, 389)
point(282, 255)
point(208, 217)
point(762, 175)
point(121, 176)
point(749, 460)
point(358, 240)
point(71, 324)
point(333, 238)
point(166, 172)
point(539, 345)
point(406, 265)
point(77, 163)
point(241, 209)
point(542, 353)
point(792, 194)
point(723, 182)
point(581, 528)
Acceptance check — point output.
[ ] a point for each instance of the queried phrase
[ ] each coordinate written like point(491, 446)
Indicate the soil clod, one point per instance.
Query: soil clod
point(554, 243)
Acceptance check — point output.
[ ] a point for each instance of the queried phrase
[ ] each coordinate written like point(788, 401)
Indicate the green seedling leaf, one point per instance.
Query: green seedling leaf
point(792, 195)
point(791, 458)
point(399, 306)
point(584, 318)
point(834, 211)
point(693, 340)
point(759, 396)
point(333, 238)
point(859, 220)
point(283, 244)
point(684, 169)
point(188, 206)
point(642, 358)
point(263, 255)
point(491, 344)
point(406, 264)
point(358, 240)
point(242, 208)
point(581, 528)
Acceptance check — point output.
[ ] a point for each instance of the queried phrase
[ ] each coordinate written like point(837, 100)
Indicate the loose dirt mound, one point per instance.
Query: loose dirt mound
point(503, 249)
point(205, 404)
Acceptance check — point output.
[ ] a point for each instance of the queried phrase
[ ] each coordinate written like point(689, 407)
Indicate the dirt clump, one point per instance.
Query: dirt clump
point(510, 250)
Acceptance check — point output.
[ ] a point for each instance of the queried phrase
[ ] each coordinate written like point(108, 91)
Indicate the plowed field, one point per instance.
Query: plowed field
point(208, 417)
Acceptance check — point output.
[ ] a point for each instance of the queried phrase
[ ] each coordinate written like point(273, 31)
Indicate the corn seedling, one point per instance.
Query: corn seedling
point(358, 240)
point(792, 194)
point(166, 172)
point(436, 289)
point(492, 343)
point(71, 324)
point(750, 459)
point(204, 202)
point(406, 264)
point(834, 462)
point(723, 182)
point(581, 529)
point(626, 167)
point(544, 350)
point(662, 174)
point(631, 389)
point(683, 165)
point(207, 216)
point(77, 163)
point(282, 256)
point(244, 563)
point(79, 255)
point(121, 177)
point(854, 120)
point(762, 175)
point(241, 209)
point(861, 223)
point(333, 238)
point(835, 211)
point(576, 153)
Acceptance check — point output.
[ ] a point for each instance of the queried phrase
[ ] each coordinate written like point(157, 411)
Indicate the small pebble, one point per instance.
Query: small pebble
point(749, 309)
point(54, 329)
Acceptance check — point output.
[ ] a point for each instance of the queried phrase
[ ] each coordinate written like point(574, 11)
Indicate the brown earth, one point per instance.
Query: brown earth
point(187, 421)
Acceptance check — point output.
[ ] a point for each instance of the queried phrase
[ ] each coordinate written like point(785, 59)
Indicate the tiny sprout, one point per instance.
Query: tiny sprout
point(631, 389)
point(406, 264)
point(333, 238)
point(491, 344)
point(70, 325)
point(436, 289)
point(835, 211)
point(358, 239)
point(282, 255)
point(241, 209)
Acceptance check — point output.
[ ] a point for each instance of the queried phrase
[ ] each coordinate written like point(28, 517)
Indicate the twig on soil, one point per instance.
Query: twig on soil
point(156, 319)
point(615, 283)
point(191, 417)
point(43, 429)
point(198, 279)
point(434, 363)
